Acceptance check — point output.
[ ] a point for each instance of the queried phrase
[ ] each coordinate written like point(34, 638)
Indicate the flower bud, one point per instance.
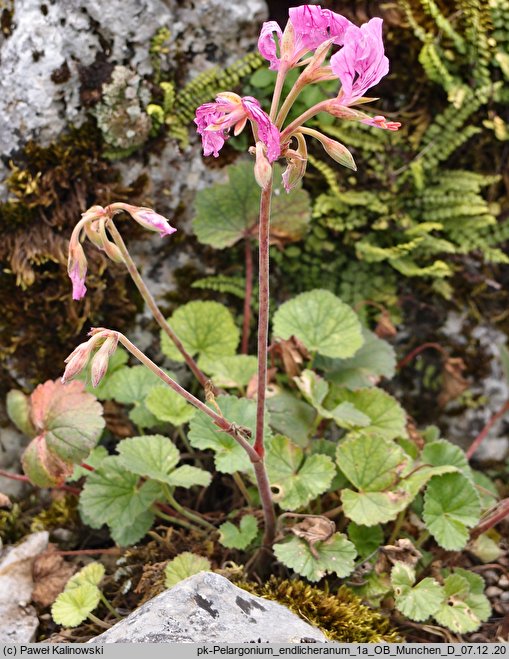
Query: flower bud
point(336, 150)
point(147, 217)
point(79, 357)
point(262, 168)
point(381, 122)
point(101, 359)
point(77, 268)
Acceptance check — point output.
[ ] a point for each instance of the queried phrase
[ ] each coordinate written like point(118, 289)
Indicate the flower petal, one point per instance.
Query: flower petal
point(267, 131)
point(267, 43)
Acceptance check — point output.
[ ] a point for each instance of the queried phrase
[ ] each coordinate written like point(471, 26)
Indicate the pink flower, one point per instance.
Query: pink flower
point(77, 268)
point(311, 26)
point(214, 120)
point(152, 221)
point(381, 122)
point(361, 63)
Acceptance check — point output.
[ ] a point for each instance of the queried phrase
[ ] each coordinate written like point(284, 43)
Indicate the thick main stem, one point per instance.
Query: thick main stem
point(263, 334)
point(152, 305)
point(247, 298)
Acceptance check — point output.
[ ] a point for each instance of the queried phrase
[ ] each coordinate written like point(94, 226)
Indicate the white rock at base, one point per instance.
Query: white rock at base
point(18, 620)
point(207, 608)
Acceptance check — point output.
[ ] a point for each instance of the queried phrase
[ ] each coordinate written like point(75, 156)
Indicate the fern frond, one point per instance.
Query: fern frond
point(223, 284)
point(444, 24)
point(329, 174)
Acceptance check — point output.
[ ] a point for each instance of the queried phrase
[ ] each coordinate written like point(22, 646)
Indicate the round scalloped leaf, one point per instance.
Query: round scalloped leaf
point(112, 495)
point(387, 417)
point(44, 468)
point(127, 534)
point(297, 479)
point(130, 385)
point(366, 539)
point(206, 329)
point(291, 416)
point(91, 574)
point(94, 460)
point(336, 555)
point(371, 463)
point(183, 566)
point(322, 322)
point(372, 508)
point(451, 507)
point(238, 538)
point(152, 456)
point(73, 606)
point(462, 610)
point(167, 405)
point(374, 359)
point(229, 455)
point(416, 602)
point(69, 418)
point(233, 371)
point(188, 476)
point(226, 213)
point(442, 452)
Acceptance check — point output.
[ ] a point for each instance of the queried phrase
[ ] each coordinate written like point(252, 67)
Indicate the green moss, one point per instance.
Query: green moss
point(62, 513)
point(341, 616)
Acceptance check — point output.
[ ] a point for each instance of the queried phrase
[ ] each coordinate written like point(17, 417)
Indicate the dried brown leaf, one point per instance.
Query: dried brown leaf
point(50, 574)
point(453, 382)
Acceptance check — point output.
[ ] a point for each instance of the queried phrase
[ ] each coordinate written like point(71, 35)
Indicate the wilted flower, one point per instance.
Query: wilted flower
point(77, 269)
point(80, 356)
point(214, 120)
point(361, 63)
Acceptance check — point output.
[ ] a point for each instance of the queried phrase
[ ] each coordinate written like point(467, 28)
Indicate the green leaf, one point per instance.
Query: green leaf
point(226, 213)
point(372, 508)
point(375, 359)
point(312, 387)
point(291, 417)
point(335, 555)
point(451, 507)
point(366, 539)
point(298, 479)
point(91, 574)
point(206, 329)
point(238, 538)
point(464, 608)
point(73, 606)
point(93, 460)
point(183, 566)
point(322, 322)
point(142, 417)
point(18, 410)
point(485, 548)
point(167, 405)
point(125, 535)
point(153, 456)
point(416, 602)
point(130, 385)
point(233, 371)
point(486, 489)
point(112, 495)
point(371, 463)
point(387, 417)
point(188, 476)
point(69, 419)
point(229, 455)
point(442, 452)
point(43, 467)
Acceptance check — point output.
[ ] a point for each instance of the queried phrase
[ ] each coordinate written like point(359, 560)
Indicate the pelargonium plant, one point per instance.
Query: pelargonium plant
point(305, 44)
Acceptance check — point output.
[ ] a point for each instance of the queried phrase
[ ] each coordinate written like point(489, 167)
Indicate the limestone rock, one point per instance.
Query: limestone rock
point(209, 608)
point(18, 620)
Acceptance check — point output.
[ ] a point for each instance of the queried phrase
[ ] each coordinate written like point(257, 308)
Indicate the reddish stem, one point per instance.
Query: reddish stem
point(482, 435)
point(25, 479)
point(89, 552)
point(416, 351)
point(87, 467)
point(500, 513)
point(247, 298)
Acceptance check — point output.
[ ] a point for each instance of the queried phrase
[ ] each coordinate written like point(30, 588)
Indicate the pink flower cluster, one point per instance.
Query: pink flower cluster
point(359, 65)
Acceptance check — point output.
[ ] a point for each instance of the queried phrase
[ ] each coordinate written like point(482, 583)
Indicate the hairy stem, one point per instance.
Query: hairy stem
point(223, 424)
point(278, 88)
point(315, 109)
point(152, 305)
point(500, 512)
point(25, 479)
point(484, 432)
point(247, 298)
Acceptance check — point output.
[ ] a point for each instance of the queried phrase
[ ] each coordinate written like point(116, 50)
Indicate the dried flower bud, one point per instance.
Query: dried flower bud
point(262, 168)
point(102, 357)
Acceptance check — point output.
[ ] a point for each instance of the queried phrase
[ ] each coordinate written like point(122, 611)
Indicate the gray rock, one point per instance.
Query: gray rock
point(209, 608)
point(18, 620)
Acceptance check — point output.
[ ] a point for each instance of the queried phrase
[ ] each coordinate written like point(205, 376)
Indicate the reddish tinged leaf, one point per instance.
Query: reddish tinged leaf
point(68, 418)
point(44, 468)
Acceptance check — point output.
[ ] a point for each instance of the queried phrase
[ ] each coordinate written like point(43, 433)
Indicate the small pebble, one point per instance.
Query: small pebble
point(493, 591)
point(491, 576)
point(504, 597)
point(503, 582)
